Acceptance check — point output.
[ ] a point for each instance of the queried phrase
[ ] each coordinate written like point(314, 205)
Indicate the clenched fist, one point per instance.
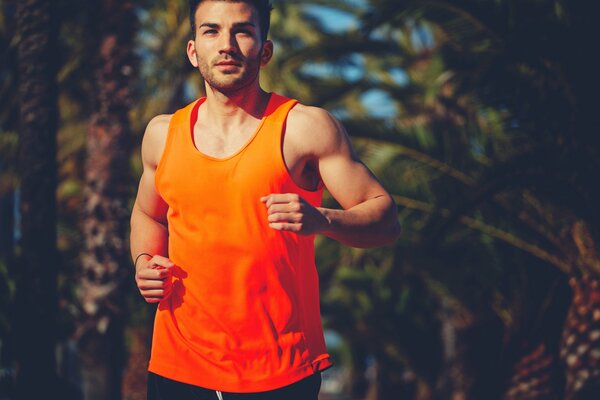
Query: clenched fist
point(153, 278)
point(290, 212)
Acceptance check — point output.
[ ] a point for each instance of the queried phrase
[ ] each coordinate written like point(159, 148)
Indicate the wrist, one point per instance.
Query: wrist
point(327, 219)
point(143, 257)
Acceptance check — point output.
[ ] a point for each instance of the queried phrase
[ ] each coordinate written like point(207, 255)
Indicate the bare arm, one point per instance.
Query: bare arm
point(368, 217)
point(149, 219)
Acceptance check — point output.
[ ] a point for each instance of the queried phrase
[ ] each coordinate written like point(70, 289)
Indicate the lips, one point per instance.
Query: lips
point(229, 63)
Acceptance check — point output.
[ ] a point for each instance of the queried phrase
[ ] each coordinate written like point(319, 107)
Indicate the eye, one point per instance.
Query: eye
point(209, 32)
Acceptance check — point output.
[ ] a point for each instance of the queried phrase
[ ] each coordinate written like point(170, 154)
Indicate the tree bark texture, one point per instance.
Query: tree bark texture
point(472, 353)
point(580, 344)
point(105, 261)
point(35, 304)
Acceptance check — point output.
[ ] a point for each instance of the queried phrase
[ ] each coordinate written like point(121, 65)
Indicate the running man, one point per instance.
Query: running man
point(222, 230)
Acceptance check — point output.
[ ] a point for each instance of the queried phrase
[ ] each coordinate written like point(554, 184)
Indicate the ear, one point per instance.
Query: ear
point(191, 53)
point(267, 53)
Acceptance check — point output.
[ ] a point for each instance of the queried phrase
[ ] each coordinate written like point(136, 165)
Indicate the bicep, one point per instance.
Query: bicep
point(148, 201)
point(348, 180)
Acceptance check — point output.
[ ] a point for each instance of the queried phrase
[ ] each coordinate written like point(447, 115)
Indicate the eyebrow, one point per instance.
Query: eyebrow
point(213, 25)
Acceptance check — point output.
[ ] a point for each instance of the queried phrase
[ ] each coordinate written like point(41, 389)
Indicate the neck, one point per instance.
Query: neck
point(250, 102)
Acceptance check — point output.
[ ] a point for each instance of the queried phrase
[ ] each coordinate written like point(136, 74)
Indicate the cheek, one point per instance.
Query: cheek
point(249, 47)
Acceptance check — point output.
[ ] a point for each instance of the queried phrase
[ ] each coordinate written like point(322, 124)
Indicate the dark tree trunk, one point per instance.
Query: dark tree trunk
point(472, 355)
point(36, 306)
point(7, 227)
point(358, 370)
point(105, 261)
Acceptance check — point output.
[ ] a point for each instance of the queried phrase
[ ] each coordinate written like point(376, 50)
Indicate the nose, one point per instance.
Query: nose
point(228, 43)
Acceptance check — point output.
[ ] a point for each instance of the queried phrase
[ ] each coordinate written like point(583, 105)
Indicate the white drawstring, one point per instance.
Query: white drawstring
point(219, 395)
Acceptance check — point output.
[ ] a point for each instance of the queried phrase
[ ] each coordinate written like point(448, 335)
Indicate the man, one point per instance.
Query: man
point(225, 216)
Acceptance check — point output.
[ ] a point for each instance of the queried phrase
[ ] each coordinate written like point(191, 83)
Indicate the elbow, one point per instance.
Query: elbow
point(392, 233)
point(393, 230)
point(388, 228)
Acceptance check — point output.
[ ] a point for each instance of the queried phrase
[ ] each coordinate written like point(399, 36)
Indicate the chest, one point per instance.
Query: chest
point(223, 145)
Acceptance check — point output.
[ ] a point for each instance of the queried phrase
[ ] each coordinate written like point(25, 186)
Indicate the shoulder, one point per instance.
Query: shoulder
point(315, 128)
point(155, 138)
point(308, 117)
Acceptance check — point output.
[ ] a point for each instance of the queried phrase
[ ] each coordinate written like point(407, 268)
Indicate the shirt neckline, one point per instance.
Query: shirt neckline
point(194, 119)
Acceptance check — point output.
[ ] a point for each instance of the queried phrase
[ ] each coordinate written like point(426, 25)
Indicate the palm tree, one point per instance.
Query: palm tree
point(37, 267)
point(105, 273)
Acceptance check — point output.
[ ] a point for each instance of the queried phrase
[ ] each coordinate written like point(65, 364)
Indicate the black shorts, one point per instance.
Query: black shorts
point(160, 388)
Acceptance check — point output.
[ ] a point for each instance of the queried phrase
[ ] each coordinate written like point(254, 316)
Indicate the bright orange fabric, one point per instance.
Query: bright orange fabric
point(244, 313)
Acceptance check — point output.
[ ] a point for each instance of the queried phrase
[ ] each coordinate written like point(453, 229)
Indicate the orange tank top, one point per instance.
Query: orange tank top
point(244, 312)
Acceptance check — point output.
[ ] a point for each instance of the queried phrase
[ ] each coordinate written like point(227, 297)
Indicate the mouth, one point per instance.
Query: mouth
point(228, 66)
point(228, 63)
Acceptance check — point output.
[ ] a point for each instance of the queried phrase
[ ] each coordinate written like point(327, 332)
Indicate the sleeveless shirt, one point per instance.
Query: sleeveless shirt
point(244, 313)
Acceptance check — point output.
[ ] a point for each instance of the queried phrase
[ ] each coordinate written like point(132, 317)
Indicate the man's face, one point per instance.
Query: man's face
point(228, 49)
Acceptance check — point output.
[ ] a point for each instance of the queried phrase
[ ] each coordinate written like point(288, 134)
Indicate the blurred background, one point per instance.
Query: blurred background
point(478, 116)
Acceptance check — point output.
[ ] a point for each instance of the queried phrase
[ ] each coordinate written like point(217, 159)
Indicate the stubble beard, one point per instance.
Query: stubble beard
point(230, 83)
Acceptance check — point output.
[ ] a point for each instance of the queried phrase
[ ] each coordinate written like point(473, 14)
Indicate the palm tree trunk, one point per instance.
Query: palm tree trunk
point(35, 303)
point(105, 261)
point(535, 376)
point(580, 345)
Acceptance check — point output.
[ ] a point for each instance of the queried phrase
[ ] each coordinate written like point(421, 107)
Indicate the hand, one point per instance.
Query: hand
point(290, 212)
point(153, 278)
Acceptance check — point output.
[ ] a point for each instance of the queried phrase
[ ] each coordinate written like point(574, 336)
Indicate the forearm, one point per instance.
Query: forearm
point(369, 224)
point(147, 235)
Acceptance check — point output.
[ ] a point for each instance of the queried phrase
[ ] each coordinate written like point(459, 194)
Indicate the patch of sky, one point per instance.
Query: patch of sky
point(379, 104)
point(332, 338)
point(340, 113)
point(422, 37)
point(350, 68)
point(399, 76)
point(141, 13)
point(360, 4)
point(190, 92)
point(477, 147)
point(332, 19)
point(384, 32)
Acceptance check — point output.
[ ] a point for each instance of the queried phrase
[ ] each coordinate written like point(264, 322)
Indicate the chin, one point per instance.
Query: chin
point(229, 87)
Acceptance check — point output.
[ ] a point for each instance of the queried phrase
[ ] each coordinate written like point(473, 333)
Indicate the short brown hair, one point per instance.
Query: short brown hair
point(263, 7)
